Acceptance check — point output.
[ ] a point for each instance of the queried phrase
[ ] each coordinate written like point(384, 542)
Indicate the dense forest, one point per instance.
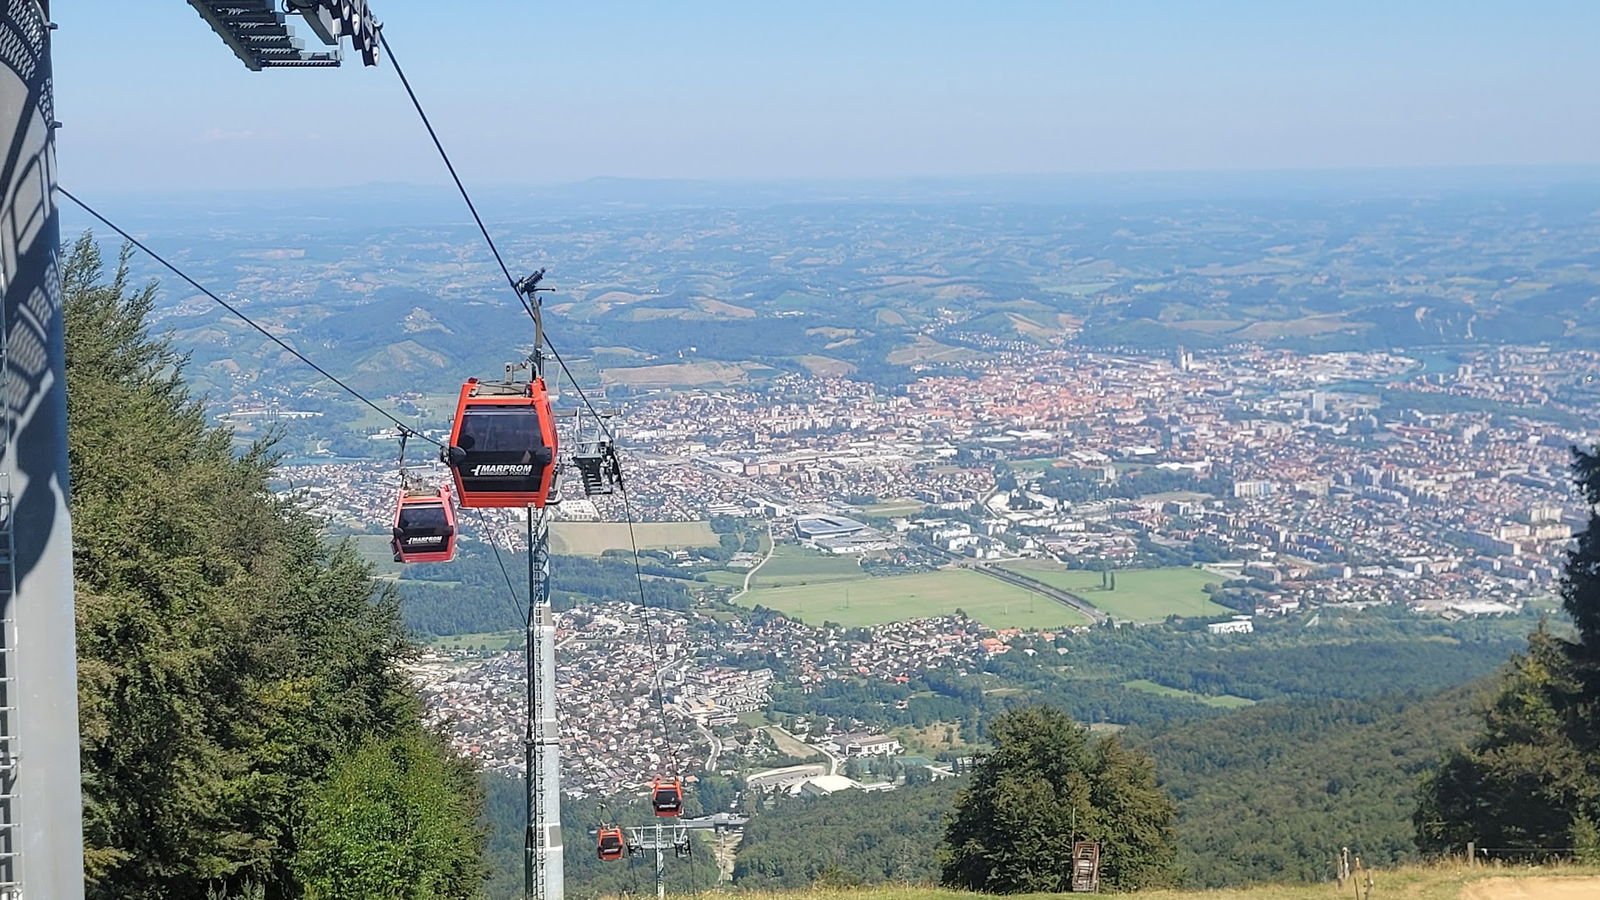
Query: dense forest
point(1267, 793)
point(244, 728)
point(1272, 792)
point(1341, 658)
point(851, 837)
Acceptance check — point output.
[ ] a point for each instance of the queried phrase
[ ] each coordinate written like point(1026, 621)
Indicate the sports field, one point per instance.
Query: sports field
point(1142, 595)
point(594, 538)
point(874, 601)
point(901, 507)
point(1036, 464)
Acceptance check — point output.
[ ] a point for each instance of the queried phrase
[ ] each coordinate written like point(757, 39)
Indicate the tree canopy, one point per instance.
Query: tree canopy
point(1530, 780)
point(1043, 787)
point(233, 667)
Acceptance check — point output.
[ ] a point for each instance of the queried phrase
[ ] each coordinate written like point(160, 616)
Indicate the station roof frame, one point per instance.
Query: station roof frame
point(258, 32)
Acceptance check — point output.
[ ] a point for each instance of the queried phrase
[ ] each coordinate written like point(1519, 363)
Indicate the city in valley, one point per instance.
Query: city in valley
point(974, 511)
point(869, 451)
point(1151, 462)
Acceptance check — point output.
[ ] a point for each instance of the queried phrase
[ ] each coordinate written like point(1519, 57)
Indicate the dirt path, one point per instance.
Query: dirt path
point(772, 547)
point(1533, 889)
point(725, 849)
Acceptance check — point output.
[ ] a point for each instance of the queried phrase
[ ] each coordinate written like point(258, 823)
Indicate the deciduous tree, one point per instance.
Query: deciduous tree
point(1046, 786)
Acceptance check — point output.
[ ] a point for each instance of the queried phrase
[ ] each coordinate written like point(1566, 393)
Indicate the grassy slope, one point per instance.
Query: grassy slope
point(1444, 881)
point(1222, 701)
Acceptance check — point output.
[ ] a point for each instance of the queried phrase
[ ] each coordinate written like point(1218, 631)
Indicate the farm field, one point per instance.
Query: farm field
point(792, 745)
point(374, 548)
point(594, 538)
point(874, 601)
point(1221, 701)
point(693, 373)
point(1142, 595)
point(794, 565)
point(924, 349)
point(494, 640)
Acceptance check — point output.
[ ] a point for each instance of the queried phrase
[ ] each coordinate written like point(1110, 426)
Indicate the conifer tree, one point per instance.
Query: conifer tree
point(230, 660)
point(1531, 779)
point(1580, 591)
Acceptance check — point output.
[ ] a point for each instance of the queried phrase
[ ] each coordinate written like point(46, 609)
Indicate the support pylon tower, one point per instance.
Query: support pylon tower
point(660, 838)
point(544, 875)
point(544, 871)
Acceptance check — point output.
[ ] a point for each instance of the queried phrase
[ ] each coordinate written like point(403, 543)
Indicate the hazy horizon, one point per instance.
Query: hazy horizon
point(1418, 178)
point(557, 94)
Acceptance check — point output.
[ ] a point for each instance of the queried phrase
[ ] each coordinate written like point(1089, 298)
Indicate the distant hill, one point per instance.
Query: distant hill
point(1271, 792)
point(871, 275)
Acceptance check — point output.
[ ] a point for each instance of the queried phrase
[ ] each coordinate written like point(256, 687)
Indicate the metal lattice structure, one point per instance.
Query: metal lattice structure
point(10, 843)
point(660, 838)
point(259, 34)
point(544, 869)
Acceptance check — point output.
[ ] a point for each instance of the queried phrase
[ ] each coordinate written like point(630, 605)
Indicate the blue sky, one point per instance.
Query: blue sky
point(533, 91)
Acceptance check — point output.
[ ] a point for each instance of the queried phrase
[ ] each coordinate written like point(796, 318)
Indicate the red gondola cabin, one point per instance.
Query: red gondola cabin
point(666, 795)
point(611, 846)
point(503, 446)
point(424, 527)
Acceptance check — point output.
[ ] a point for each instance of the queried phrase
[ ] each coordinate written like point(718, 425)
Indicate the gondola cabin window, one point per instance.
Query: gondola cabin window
point(424, 528)
point(503, 446)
